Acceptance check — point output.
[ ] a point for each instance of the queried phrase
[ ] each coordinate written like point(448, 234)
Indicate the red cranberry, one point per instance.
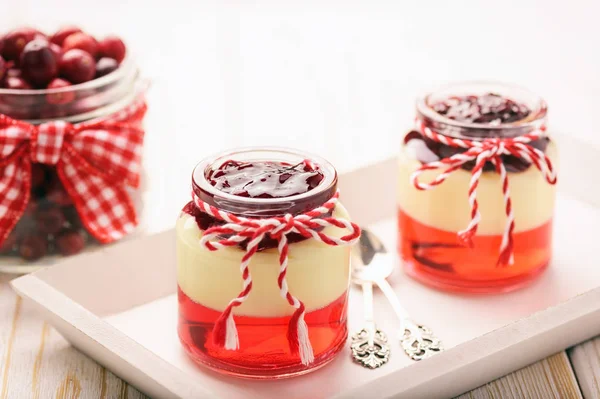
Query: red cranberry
point(77, 66)
point(112, 47)
point(61, 34)
point(15, 41)
point(61, 97)
point(49, 218)
point(14, 72)
point(72, 216)
point(16, 83)
point(38, 175)
point(57, 50)
point(33, 247)
point(81, 41)
point(9, 243)
point(105, 66)
point(3, 67)
point(70, 242)
point(38, 62)
point(32, 206)
point(58, 195)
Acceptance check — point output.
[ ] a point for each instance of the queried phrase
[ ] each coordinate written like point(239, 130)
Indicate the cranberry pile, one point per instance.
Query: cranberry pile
point(264, 179)
point(50, 223)
point(30, 59)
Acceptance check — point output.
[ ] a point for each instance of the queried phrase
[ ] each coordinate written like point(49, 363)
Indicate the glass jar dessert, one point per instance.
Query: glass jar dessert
point(71, 112)
point(477, 189)
point(263, 264)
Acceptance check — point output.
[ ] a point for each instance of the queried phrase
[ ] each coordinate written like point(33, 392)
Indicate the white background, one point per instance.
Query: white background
point(337, 78)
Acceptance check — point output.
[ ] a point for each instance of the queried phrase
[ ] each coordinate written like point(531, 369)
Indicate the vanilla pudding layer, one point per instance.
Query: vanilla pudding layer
point(318, 274)
point(446, 206)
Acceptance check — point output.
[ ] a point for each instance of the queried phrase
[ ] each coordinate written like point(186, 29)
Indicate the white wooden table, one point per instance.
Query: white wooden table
point(333, 77)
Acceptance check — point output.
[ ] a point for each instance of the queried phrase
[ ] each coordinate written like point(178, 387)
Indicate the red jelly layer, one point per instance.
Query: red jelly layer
point(435, 257)
point(264, 350)
point(264, 179)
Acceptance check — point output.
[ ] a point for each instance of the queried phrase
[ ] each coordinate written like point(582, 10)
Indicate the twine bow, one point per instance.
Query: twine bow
point(482, 151)
point(94, 161)
point(238, 229)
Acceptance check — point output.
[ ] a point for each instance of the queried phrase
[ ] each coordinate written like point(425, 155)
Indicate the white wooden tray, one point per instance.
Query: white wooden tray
point(118, 305)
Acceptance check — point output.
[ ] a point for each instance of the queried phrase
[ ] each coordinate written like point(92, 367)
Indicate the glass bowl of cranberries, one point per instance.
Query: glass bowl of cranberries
point(68, 76)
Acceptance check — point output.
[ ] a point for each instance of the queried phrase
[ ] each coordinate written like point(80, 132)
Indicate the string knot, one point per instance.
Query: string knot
point(239, 229)
point(481, 152)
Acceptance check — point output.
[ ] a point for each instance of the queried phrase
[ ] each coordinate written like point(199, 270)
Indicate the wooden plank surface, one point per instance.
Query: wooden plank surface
point(585, 359)
point(551, 378)
point(37, 363)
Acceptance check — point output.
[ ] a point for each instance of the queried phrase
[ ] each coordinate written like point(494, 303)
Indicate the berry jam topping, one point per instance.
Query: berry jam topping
point(491, 109)
point(264, 179)
point(427, 150)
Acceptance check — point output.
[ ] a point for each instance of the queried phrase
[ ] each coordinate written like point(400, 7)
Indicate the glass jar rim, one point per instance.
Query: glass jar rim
point(537, 117)
point(261, 206)
point(124, 68)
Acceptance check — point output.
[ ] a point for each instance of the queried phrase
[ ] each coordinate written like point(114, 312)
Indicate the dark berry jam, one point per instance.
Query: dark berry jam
point(491, 109)
point(428, 150)
point(264, 179)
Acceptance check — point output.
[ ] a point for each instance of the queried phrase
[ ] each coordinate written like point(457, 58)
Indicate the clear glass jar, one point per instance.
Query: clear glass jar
point(432, 220)
point(317, 274)
point(51, 225)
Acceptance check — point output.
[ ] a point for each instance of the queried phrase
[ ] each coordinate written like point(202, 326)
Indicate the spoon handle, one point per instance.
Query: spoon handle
point(417, 340)
point(367, 288)
point(369, 346)
point(392, 298)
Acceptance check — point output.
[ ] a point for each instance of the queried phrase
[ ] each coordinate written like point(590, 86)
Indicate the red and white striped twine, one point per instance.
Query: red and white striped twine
point(482, 151)
point(238, 229)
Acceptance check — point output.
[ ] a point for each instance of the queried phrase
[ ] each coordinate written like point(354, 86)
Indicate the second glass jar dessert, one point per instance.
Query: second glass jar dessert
point(476, 189)
point(263, 264)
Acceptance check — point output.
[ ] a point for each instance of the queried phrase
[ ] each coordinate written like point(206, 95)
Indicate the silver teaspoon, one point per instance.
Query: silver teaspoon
point(372, 263)
point(369, 346)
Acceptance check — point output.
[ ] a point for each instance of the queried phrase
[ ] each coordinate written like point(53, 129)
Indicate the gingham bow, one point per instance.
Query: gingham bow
point(482, 151)
point(94, 160)
point(239, 229)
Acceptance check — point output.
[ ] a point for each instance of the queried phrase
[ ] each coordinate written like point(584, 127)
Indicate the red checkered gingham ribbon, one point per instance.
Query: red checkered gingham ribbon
point(94, 160)
point(482, 151)
point(238, 229)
